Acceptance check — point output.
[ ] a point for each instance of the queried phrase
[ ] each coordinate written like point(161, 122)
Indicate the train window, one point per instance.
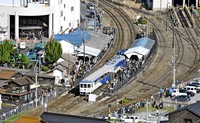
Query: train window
point(84, 85)
point(81, 85)
point(89, 86)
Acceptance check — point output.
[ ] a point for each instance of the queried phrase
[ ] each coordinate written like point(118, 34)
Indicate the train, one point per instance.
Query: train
point(138, 53)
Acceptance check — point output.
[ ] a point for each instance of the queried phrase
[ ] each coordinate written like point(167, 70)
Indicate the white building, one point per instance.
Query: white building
point(20, 17)
point(161, 5)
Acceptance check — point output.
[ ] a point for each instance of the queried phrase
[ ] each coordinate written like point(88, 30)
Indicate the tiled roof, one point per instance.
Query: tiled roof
point(7, 74)
point(23, 81)
point(194, 108)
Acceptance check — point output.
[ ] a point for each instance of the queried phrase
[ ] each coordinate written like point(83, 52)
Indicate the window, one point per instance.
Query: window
point(64, 18)
point(64, 5)
point(70, 24)
point(61, 13)
point(72, 8)
point(187, 120)
point(61, 28)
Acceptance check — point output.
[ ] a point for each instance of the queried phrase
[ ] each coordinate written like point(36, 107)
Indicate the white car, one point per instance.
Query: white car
point(130, 119)
point(177, 93)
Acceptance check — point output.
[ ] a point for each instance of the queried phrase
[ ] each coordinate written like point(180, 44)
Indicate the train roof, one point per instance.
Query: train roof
point(116, 61)
point(143, 42)
point(141, 47)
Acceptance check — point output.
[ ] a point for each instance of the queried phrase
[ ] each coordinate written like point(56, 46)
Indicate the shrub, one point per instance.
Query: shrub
point(45, 68)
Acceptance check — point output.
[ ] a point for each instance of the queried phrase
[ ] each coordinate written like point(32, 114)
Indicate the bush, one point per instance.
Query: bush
point(45, 68)
point(141, 20)
point(124, 101)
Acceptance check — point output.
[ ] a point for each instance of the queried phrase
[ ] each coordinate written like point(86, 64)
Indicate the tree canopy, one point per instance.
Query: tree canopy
point(53, 51)
point(5, 51)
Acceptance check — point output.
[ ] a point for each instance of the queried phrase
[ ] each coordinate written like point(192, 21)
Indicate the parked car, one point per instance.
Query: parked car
point(195, 84)
point(130, 119)
point(90, 5)
point(182, 98)
point(91, 14)
point(189, 93)
point(191, 89)
point(177, 93)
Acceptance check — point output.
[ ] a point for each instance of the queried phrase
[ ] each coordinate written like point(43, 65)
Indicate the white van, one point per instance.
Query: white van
point(191, 89)
point(130, 119)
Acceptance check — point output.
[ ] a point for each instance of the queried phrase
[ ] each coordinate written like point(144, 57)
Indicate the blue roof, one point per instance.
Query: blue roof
point(75, 37)
point(144, 42)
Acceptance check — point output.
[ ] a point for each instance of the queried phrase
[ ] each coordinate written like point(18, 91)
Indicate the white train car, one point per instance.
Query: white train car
point(102, 75)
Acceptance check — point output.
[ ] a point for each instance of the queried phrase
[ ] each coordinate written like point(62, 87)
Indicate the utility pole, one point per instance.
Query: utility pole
point(160, 7)
point(147, 111)
point(36, 83)
point(174, 61)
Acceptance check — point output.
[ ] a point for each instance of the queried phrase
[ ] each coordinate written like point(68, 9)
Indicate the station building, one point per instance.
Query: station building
point(20, 18)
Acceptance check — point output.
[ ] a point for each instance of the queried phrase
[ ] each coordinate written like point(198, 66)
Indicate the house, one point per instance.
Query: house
point(187, 114)
point(19, 90)
point(63, 118)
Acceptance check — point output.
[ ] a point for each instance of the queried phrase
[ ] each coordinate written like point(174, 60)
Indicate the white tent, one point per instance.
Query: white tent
point(67, 47)
point(139, 51)
point(89, 50)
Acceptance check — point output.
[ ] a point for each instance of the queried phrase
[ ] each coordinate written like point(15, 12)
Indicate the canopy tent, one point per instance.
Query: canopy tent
point(138, 51)
point(67, 47)
point(89, 50)
point(75, 37)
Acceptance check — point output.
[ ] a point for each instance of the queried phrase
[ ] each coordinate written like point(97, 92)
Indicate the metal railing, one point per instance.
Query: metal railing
point(24, 107)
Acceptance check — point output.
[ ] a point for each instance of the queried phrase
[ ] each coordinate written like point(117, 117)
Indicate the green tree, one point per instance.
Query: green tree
point(25, 61)
point(8, 46)
point(6, 57)
point(53, 51)
point(5, 50)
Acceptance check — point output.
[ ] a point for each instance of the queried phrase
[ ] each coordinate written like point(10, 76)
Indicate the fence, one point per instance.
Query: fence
point(21, 108)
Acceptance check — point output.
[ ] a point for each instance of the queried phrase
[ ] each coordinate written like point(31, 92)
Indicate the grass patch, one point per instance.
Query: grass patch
point(144, 109)
point(13, 118)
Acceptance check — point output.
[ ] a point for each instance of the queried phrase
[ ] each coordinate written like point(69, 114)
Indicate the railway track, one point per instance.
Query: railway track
point(123, 38)
point(124, 34)
point(181, 51)
point(67, 104)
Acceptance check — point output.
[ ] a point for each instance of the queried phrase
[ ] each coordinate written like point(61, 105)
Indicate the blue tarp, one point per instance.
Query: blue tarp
point(121, 63)
point(105, 79)
point(75, 37)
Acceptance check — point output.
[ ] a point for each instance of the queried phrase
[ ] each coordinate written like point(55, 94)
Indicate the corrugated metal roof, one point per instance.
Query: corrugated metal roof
point(98, 40)
point(89, 50)
point(7, 74)
point(75, 37)
point(63, 118)
point(144, 42)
